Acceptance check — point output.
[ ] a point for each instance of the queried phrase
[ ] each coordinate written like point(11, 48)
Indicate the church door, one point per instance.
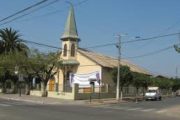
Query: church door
point(51, 85)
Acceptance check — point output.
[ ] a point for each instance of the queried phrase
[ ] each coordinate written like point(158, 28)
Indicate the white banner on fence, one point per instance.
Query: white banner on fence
point(84, 79)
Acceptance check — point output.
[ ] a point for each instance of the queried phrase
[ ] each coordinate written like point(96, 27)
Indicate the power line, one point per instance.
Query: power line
point(23, 10)
point(81, 2)
point(163, 31)
point(151, 53)
point(29, 12)
point(172, 26)
point(37, 43)
point(139, 56)
point(40, 44)
point(144, 55)
point(43, 15)
point(150, 38)
point(101, 45)
point(132, 41)
point(57, 11)
point(109, 44)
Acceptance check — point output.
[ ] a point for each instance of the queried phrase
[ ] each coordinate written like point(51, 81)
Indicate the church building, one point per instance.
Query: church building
point(82, 67)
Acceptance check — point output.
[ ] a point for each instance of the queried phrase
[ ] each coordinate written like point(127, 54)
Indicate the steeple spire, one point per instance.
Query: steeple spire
point(70, 28)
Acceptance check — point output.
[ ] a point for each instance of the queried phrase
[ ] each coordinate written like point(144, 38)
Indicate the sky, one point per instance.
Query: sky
point(100, 21)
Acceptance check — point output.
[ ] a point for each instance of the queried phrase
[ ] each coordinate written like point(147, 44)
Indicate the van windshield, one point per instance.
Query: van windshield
point(151, 91)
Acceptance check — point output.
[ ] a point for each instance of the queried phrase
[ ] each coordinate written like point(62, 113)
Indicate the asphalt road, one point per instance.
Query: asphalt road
point(150, 110)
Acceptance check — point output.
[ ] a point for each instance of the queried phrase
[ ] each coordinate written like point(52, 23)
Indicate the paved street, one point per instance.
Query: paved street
point(150, 110)
point(169, 107)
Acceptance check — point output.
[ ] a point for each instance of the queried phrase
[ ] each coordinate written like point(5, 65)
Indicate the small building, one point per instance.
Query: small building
point(81, 67)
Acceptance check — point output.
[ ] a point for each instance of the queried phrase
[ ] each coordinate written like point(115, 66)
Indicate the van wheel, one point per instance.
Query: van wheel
point(155, 98)
point(160, 99)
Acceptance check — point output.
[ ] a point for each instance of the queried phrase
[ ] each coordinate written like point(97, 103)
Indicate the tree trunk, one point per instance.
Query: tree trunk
point(137, 94)
point(3, 87)
point(27, 89)
point(16, 86)
point(144, 90)
point(121, 93)
point(43, 89)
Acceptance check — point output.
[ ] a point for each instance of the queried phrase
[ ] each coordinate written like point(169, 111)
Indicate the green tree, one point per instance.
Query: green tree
point(126, 77)
point(138, 81)
point(177, 48)
point(10, 42)
point(176, 84)
point(13, 52)
point(162, 82)
point(7, 65)
point(44, 67)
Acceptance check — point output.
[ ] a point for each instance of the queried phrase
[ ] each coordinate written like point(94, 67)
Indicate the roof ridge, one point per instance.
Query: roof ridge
point(108, 61)
point(97, 53)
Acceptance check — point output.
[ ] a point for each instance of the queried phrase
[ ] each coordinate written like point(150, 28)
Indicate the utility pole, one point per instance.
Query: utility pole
point(119, 63)
point(176, 72)
point(176, 46)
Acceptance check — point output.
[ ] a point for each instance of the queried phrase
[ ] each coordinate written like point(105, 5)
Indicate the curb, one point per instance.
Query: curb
point(16, 99)
point(45, 102)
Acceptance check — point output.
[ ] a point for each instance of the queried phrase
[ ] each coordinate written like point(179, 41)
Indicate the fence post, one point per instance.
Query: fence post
point(107, 88)
point(75, 91)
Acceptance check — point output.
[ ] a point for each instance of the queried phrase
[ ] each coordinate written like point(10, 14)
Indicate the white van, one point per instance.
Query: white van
point(152, 94)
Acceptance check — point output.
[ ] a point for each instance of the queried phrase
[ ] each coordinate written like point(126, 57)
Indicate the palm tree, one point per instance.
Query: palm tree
point(10, 42)
point(12, 49)
point(1, 47)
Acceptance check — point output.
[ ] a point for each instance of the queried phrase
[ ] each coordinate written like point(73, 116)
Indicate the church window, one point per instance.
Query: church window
point(72, 50)
point(65, 50)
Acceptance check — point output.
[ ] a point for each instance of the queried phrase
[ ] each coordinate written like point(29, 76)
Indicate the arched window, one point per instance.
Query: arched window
point(72, 50)
point(65, 50)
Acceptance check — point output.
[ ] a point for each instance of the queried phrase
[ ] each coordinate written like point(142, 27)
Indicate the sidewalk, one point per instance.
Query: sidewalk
point(54, 101)
point(41, 100)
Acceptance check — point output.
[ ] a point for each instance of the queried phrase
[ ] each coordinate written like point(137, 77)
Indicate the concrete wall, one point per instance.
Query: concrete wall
point(74, 95)
point(35, 93)
point(63, 95)
point(86, 96)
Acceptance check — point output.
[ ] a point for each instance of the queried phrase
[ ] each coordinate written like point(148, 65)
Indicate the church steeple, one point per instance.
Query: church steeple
point(70, 37)
point(70, 28)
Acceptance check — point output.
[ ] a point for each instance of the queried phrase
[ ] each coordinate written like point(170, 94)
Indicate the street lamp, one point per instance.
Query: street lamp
point(17, 73)
point(16, 70)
